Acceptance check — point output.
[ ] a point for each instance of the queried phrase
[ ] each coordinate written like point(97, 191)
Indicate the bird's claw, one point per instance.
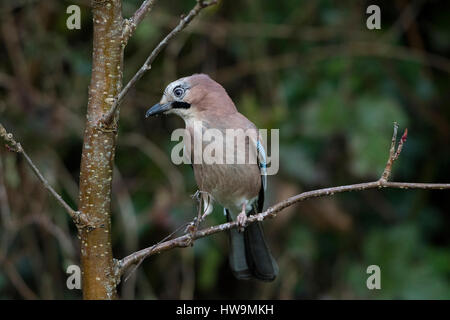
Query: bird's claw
point(190, 241)
point(191, 227)
point(190, 230)
point(196, 195)
point(241, 220)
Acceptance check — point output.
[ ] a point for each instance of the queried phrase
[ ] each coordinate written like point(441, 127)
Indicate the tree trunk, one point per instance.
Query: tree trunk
point(98, 152)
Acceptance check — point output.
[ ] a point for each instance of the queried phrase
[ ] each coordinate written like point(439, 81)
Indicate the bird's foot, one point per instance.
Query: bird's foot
point(190, 227)
point(196, 195)
point(189, 241)
point(191, 230)
point(193, 225)
point(241, 220)
point(204, 215)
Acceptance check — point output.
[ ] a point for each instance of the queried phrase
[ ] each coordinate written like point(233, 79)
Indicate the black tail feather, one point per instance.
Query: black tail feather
point(237, 257)
point(259, 258)
point(249, 255)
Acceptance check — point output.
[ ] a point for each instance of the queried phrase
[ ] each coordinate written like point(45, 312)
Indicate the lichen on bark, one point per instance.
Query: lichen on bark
point(98, 152)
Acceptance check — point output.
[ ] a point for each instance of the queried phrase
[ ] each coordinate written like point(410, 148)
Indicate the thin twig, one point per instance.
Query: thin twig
point(132, 23)
point(185, 20)
point(188, 239)
point(393, 153)
point(138, 262)
point(78, 217)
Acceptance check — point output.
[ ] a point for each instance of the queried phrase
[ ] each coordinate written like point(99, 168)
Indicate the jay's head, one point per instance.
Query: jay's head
point(190, 97)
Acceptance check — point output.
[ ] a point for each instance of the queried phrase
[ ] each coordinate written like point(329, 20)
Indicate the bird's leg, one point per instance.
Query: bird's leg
point(207, 206)
point(242, 218)
point(196, 195)
point(202, 198)
point(193, 225)
point(198, 219)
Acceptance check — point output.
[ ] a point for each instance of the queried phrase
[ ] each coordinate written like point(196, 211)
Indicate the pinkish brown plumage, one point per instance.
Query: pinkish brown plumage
point(204, 104)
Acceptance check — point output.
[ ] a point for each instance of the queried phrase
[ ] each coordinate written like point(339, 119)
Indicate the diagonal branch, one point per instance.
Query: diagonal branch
point(185, 20)
point(78, 217)
point(188, 239)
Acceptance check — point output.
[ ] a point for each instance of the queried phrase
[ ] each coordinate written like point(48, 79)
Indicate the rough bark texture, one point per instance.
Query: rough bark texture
point(98, 153)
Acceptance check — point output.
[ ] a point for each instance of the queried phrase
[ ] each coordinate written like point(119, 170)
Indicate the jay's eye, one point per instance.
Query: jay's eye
point(178, 92)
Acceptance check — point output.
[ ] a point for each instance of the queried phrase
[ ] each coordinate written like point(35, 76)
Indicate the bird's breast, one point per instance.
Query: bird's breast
point(231, 185)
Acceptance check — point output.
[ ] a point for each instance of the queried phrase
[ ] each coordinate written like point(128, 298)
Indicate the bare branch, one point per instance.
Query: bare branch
point(132, 23)
point(393, 154)
point(78, 217)
point(188, 239)
point(271, 212)
point(185, 20)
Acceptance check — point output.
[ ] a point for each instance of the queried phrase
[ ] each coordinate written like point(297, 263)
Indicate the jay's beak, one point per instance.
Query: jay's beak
point(158, 108)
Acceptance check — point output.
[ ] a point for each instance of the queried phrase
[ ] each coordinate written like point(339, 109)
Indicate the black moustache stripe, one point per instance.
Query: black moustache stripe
point(180, 105)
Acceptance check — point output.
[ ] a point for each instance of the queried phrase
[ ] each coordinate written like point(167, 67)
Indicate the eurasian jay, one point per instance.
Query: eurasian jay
point(238, 187)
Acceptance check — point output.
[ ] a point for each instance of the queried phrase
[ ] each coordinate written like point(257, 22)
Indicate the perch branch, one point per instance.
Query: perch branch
point(188, 239)
point(78, 217)
point(184, 21)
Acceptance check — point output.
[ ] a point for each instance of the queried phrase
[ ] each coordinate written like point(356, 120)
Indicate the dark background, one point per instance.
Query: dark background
point(309, 68)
